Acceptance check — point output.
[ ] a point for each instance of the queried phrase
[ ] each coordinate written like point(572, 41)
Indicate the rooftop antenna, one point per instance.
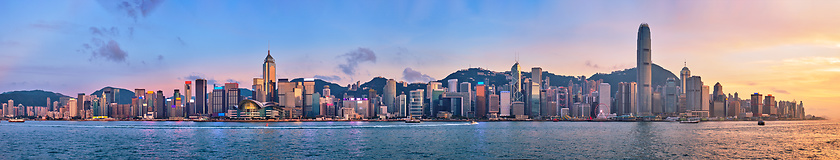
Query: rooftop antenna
point(685, 64)
point(516, 57)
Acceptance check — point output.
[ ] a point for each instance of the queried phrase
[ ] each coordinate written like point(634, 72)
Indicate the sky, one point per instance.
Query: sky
point(790, 49)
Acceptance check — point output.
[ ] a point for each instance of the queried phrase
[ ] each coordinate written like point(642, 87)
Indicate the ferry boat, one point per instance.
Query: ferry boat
point(473, 122)
point(412, 121)
point(691, 120)
point(16, 120)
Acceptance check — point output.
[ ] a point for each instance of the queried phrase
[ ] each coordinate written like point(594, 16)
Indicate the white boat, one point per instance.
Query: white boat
point(473, 122)
point(412, 121)
point(17, 120)
point(691, 120)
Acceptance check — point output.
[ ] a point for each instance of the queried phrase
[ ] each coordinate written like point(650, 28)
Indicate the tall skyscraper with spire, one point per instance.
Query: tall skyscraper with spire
point(516, 83)
point(269, 78)
point(643, 65)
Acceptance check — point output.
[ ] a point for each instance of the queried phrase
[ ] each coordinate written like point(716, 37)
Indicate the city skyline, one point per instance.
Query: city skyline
point(122, 52)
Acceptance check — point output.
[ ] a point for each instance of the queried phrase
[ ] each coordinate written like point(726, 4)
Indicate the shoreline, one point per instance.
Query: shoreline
point(397, 120)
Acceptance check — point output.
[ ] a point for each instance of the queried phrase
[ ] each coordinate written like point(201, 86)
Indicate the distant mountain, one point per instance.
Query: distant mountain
point(243, 92)
point(658, 77)
point(335, 89)
point(124, 96)
point(31, 98)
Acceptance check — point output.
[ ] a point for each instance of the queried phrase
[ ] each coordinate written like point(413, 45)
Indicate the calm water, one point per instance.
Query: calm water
point(428, 140)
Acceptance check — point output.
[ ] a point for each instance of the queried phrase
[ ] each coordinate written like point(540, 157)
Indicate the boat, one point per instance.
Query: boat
point(473, 122)
point(412, 121)
point(691, 120)
point(760, 122)
point(16, 120)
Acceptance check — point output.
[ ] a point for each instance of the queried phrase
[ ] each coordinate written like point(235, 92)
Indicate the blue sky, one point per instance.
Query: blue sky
point(787, 48)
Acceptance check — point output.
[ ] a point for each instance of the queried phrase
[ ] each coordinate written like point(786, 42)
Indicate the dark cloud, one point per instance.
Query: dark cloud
point(781, 91)
point(412, 75)
point(332, 78)
point(160, 57)
point(131, 8)
point(355, 57)
point(751, 83)
point(231, 81)
point(113, 31)
point(181, 41)
point(110, 51)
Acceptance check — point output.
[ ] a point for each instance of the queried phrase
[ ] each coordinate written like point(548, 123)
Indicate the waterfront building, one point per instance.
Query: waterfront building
point(604, 99)
point(188, 109)
point(137, 104)
point(518, 110)
point(534, 101)
point(389, 94)
point(416, 104)
point(671, 99)
point(80, 103)
point(718, 107)
point(643, 66)
point(231, 96)
point(684, 75)
point(467, 110)
point(705, 98)
point(308, 97)
point(693, 95)
point(516, 83)
point(769, 107)
point(74, 108)
point(402, 103)
point(268, 79)
point(504, 103)
point(177, 108)
point(258, 90)
point(251, 109)
point(493, 106)
point(536, 76)
point(201, 96)
point(480, 100)
point(625, 99)
point(756, 104)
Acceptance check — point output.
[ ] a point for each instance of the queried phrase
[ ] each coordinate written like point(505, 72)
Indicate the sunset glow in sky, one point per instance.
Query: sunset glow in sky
point(790, 49)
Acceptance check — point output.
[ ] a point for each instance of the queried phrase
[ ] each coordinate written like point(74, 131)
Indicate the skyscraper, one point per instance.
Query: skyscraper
point(643, 65)
point(389, 94)
point(536, 76)
point(201, 96)
point(80, 103)
point(671, 96)
point(480, 100)
point(718, 107)
point(188, 108)
point(604, 99)
point(516, 83)
point(416, 104)
point(467, 109)
point(268, 78)
point(138, 107)
point(257, 86)
point(231, 96)
point(684, 75)
point(756, 104)
point(693, 98)
point(504, 103)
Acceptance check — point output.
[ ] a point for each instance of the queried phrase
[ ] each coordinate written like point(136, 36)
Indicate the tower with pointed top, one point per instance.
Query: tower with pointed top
point(643, 67)
point(269, 78)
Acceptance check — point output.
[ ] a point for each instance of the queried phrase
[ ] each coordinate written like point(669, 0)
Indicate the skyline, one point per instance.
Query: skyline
point(42, 51)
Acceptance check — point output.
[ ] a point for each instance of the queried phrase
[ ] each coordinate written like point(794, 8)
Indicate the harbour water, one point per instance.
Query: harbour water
point(427, 140)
